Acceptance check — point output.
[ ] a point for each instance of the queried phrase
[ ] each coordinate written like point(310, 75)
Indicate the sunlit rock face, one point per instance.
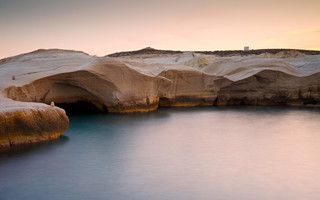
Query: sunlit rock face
point(107, 83)
point(188, 88)
point(31, 125)
point(274, 77)
point(141, 81)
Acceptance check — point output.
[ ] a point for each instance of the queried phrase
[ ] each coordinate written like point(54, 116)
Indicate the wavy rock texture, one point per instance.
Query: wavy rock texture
point(272, 88)
point(108, 84)
point(142, 81)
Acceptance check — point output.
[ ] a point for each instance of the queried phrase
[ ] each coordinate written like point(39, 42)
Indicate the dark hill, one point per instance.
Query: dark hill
point(150, 50)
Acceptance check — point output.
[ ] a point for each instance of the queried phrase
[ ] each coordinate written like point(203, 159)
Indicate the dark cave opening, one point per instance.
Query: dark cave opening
point(81, 107)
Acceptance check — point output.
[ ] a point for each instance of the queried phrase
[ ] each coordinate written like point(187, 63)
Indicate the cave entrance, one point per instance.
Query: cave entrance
point(80, 107)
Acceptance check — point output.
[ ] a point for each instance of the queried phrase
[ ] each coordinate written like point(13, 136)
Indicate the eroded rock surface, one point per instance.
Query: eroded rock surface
point(141, 82)
point(272, 88)
point(31, 125)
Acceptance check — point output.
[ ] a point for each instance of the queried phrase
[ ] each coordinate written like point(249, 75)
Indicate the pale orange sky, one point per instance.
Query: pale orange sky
point(100, 27)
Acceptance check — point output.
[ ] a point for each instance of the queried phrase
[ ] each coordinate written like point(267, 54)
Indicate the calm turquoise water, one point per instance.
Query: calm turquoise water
point(177, 154)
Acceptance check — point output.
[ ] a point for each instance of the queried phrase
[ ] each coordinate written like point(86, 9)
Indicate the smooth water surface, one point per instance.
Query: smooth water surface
point(177, 154)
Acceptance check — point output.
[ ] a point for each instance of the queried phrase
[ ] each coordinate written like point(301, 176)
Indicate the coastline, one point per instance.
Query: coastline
point(143, 82)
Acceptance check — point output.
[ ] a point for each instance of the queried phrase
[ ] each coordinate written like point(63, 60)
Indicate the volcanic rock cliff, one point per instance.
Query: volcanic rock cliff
point(142, 81)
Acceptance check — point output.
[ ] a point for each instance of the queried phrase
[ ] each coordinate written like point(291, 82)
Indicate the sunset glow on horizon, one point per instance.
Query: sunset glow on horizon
point(101, 27)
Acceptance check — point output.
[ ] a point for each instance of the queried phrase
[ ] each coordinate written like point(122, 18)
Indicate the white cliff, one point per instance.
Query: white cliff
point(142, 82)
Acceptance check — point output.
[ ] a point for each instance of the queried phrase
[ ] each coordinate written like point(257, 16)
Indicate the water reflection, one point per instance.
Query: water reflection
point(23, 150)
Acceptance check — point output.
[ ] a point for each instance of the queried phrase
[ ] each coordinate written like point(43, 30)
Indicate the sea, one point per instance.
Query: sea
point(203, 153)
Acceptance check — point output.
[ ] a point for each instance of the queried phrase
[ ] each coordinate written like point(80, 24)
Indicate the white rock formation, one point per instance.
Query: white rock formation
point(143, 82)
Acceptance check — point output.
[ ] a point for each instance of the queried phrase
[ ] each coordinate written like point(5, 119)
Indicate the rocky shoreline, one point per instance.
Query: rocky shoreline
point(141, 82)
point(31, 125)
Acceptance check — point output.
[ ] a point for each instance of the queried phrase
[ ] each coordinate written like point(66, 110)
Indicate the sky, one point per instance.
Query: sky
point(101, 27)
